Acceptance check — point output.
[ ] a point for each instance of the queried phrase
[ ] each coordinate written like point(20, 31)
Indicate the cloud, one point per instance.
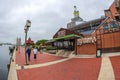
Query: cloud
point(46, 16)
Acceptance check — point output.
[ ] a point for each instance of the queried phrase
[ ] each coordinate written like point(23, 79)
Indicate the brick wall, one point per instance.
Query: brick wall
point(86, 49)
point(110, 43)
point(111, 40)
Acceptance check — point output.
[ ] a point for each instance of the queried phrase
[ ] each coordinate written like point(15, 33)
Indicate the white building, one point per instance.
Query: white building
point(18, 41)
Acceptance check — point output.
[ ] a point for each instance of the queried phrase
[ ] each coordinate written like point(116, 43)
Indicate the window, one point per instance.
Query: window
point(109, 12)
point(113, 24)
point(105, 25)
point(117, 18)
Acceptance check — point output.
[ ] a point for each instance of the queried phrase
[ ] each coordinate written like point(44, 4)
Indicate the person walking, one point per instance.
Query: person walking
point(28, 51)
point(35, 53)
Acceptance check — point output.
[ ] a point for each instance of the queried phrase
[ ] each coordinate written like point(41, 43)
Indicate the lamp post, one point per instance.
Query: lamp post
point(26, 28)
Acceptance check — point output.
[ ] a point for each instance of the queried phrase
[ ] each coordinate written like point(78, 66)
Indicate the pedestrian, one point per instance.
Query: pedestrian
point(35, 53)
point(28, 51)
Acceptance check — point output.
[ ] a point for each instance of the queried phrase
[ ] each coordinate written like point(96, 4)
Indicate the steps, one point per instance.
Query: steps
point(65, 53)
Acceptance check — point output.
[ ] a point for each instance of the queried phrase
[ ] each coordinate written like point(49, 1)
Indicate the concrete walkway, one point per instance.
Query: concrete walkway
point(106, 71)
point(12, 72)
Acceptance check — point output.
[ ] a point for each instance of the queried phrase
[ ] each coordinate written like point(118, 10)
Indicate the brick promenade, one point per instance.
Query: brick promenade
point(116, 66)
point(71, 69)
point(41, 58)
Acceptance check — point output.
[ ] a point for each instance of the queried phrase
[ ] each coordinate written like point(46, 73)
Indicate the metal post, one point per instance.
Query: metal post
point(26, 28)
point(75, 46)
point(25, 47)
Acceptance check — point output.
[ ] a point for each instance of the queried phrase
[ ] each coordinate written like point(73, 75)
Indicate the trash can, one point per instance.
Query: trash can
point(98, 53)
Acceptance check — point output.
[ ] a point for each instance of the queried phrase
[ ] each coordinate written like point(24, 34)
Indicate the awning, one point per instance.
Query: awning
point(66, 37)
point(51, 40)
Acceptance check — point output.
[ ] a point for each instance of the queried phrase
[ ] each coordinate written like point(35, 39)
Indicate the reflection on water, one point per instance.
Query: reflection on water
point(4, 61)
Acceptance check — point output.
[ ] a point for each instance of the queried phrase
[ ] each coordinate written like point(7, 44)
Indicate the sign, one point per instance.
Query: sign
point(86, 40)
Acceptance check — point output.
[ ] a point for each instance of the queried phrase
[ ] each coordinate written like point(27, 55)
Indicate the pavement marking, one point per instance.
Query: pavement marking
point(53, 54)
point(106, 71)
point(85, 56)
point(111, 54)
point(12, 72)
point(43, 64)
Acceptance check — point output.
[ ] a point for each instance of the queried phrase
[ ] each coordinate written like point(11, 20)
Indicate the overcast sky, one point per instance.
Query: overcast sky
point(47, 16)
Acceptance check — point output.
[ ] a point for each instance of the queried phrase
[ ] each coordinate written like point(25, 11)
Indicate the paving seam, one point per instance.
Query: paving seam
point(106, 71)
point(43, 64)
point(55, 55)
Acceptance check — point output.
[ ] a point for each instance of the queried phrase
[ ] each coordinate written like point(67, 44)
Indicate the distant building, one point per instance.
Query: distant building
point(18, 41)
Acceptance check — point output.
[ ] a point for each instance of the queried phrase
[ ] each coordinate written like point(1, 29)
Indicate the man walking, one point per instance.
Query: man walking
point(28, 51)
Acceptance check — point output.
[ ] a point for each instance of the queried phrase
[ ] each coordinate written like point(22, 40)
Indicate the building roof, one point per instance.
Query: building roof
point(63, 32)
point(87, 24)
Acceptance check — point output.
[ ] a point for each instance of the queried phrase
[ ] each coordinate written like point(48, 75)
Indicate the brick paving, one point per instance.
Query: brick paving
point(41, 58)
point(116, 66)
point(73, 69)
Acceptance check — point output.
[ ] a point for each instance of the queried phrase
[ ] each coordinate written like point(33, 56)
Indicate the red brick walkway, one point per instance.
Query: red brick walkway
point(74, 69)
point(41, 58)
point(116, 66)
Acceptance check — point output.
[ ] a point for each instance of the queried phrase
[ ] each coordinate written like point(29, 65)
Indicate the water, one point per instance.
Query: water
point(4, 61)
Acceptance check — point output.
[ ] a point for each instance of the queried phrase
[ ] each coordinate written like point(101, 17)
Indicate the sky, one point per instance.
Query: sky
point(47, 16)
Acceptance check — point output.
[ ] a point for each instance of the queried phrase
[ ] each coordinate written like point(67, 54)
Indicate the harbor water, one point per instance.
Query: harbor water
point(4, 61)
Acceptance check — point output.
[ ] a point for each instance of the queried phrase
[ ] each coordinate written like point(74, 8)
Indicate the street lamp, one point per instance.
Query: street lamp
point(26, 28)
